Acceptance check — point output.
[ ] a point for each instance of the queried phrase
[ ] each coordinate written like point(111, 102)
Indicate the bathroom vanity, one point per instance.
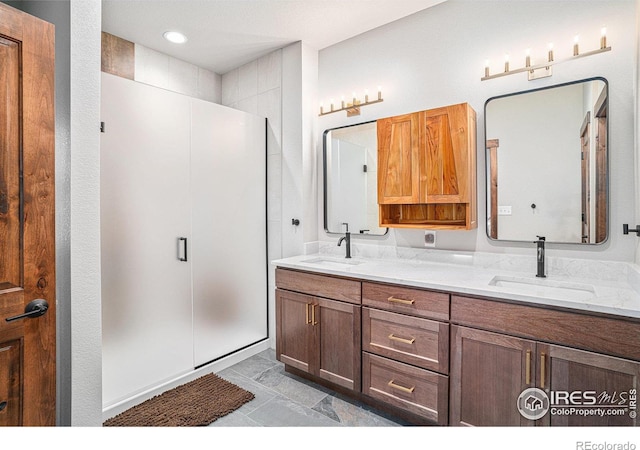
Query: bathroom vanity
point(455, 344)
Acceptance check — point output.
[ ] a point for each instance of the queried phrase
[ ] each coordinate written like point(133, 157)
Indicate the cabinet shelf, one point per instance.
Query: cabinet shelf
point(450, 216)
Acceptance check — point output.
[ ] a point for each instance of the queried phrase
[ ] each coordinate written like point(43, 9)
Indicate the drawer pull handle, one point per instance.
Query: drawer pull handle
point(306, 308)
point(401, 388)
point(401, 300)
point(528, 368)
point(543, 369)
point(403, 340)
point(313, 315)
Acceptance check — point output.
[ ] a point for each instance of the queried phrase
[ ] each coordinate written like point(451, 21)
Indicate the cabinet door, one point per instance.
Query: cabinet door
point(337, 325)
point(488, 373)
point(398, 159)
point(446, 162)
point(294, 330)
point(607, 381)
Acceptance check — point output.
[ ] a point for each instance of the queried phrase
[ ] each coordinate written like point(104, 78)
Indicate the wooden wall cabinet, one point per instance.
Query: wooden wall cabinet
point(317, 335)
point(427, 169)
point(490, 367)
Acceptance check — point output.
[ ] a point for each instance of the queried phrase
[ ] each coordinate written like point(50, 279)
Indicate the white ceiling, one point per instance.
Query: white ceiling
point(225, 34)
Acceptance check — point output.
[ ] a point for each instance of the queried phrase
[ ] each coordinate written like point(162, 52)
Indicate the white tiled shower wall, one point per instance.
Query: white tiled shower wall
point(164, 71)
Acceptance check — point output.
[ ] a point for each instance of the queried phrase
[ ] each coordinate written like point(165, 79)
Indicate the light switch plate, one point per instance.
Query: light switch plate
point(504, 210)
point(429, 238)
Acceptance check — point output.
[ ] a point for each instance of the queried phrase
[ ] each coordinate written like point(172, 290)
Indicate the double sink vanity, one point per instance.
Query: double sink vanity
point(470, 338)
point(440, 342)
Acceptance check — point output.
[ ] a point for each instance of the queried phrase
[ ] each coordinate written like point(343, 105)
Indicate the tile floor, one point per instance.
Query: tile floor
point(285, 400)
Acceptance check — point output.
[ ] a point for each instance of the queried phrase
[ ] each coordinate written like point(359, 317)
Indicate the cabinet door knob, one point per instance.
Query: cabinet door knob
point(403, 340)
point(393, 299)
point(393, 385)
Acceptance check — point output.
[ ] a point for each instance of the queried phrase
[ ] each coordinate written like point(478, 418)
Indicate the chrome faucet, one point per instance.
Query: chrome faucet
point(346, 237)
point(540, 257)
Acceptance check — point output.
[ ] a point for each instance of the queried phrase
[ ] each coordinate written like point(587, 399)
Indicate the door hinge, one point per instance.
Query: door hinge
point(364, 168)
point(101, 127)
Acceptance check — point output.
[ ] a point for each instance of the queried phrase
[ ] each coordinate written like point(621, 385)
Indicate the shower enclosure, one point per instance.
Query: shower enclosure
point(183, 220)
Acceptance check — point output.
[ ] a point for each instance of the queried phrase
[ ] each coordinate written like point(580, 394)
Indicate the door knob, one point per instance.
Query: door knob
point(34, 308)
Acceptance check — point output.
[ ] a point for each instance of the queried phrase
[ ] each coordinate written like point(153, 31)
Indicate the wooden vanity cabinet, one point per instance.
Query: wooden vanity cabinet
point(520, 346)
point(488, 373)
point(318, 335)
point(405, 343)
point(427, 169)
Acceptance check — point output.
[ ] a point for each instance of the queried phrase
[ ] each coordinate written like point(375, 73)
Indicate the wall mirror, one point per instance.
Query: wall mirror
point(547, 164)
point(350, 179)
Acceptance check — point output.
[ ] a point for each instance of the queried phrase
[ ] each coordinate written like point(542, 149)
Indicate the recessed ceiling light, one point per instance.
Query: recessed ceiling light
point(175, 36)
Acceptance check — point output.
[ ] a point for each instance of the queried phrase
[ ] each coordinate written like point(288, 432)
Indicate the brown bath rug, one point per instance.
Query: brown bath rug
point(197, 403)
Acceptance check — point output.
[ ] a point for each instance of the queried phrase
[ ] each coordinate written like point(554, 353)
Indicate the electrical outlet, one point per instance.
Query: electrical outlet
point(504, 210)
point(429, 238)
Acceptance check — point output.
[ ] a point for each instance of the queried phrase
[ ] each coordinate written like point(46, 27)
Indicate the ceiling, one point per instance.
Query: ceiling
point(225, 34)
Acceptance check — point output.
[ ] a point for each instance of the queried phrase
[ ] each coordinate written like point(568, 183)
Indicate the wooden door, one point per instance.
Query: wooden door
point(602, 195)
point(492, 149)
point(398, 159)
point(585, 151)
point(489, 371)
point(610, 380)
point(27, 235)
point(295, 345)
point(337, 325)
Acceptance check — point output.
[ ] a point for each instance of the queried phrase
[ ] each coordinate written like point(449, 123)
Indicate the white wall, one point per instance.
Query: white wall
point(436, 57)
point(86, 327)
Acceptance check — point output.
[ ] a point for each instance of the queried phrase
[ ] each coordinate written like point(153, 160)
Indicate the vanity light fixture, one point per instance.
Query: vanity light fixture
point(353, 108)
point(175, 36)
point(535, 71)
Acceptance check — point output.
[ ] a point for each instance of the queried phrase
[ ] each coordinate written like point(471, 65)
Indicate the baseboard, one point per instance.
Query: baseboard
point(213, 367)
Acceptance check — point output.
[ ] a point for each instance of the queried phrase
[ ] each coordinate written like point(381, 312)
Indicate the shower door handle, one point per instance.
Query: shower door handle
point(182, 255)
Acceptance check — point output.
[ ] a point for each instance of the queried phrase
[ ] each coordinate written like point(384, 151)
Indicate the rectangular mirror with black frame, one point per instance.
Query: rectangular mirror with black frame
point(547, 164)
point(350, 180)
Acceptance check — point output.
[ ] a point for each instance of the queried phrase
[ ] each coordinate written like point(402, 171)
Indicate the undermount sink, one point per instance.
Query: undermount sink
point(545, 288)
point(333, 262)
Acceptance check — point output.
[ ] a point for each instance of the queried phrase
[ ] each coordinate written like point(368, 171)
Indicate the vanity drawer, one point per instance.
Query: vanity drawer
point(413, 340)
point(319, 285)
point(415, 390)
point(611, 336)
point(417, 302)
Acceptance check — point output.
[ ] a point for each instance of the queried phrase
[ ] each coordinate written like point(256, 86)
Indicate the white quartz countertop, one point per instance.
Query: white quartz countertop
point(617, 297)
